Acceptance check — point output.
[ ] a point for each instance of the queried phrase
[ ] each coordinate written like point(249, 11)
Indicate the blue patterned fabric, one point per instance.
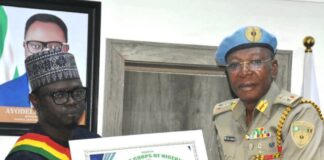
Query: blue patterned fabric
point(50, 66)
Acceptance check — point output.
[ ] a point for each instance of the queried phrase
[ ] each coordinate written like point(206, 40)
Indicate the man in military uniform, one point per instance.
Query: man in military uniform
point(264, 122)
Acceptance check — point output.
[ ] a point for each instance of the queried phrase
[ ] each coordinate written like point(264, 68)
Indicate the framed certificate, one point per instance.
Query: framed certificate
point(182, 145)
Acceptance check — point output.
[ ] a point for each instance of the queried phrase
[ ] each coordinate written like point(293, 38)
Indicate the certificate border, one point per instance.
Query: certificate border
point(80, 149)
point(88, 152)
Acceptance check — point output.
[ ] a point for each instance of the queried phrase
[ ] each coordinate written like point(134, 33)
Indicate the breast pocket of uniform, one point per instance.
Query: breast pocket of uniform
point(262, 146)
point(229, 146)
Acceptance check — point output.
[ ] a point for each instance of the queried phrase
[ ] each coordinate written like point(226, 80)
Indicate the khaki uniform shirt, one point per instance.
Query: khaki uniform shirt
point(302, 132)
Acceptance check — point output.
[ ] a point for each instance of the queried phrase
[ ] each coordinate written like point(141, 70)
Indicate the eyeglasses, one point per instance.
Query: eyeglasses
point(62, 97)
point(252, 65)
point(38, 46)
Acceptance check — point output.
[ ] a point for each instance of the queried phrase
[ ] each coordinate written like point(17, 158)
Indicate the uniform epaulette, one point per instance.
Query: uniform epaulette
point(313, 104)
point(287, 99)
point(224, 106)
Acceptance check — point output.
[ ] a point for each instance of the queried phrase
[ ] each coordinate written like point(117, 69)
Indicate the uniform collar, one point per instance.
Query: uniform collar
point(239, 111)
point(264, 105)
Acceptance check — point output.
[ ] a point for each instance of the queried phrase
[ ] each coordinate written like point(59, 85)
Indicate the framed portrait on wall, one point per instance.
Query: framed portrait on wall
point(78, 22)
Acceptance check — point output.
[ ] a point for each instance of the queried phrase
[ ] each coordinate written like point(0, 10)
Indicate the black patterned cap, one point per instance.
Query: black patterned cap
point(50, 66)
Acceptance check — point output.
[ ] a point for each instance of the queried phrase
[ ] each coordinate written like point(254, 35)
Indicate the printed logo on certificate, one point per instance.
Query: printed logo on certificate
point(183, 145)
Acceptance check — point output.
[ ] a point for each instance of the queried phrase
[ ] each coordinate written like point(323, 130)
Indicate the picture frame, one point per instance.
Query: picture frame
point(188, 145)
point(83, 20)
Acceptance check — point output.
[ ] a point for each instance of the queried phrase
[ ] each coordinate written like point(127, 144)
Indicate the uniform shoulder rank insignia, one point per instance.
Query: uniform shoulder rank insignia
point(287, 99)
point(302, 133)
point(224, 106)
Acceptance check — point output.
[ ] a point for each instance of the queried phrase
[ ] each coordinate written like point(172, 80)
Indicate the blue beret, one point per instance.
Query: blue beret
point(246, 37)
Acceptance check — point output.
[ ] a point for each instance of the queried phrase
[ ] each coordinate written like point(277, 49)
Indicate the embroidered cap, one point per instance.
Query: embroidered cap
point(246, 37)
point(50, 66)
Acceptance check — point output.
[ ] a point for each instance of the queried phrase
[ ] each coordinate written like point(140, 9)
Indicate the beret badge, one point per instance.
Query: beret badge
point(253, 34)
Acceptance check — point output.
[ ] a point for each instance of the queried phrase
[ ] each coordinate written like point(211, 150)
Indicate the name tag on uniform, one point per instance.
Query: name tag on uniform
point(229, 139)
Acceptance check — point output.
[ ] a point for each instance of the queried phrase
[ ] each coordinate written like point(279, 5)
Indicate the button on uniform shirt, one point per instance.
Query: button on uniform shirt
point(302, 130)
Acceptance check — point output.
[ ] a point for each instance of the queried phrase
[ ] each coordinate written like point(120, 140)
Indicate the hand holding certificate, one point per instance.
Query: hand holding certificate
point(183, 145)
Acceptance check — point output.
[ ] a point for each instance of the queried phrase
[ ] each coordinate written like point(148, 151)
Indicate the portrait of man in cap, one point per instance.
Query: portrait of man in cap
point(265, 121)
point(42, 31)
point(59, 99)
point(29, 32)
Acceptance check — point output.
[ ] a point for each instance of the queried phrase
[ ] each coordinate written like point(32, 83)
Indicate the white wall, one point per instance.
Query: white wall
point(207, 22)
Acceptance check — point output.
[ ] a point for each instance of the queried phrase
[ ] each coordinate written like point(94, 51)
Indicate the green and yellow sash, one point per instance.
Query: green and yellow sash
point(43, 146)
